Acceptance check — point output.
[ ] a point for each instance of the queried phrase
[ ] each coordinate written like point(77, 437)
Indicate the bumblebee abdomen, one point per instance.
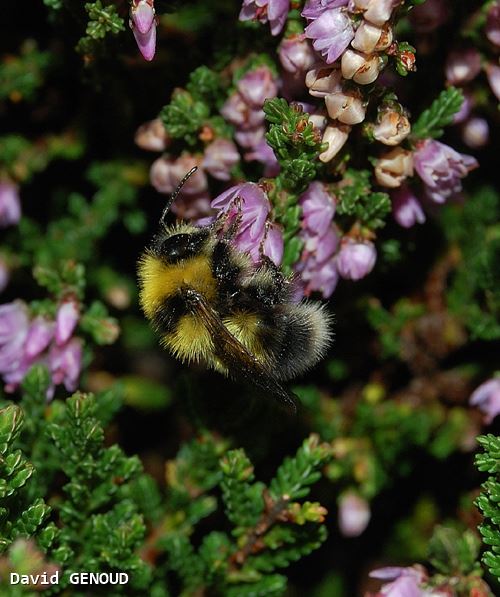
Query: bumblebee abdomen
point(189, 340)
point(304, 335)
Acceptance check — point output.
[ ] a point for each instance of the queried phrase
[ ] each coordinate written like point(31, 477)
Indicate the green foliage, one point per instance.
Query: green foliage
point(488, 502)
point(101, 527)
point(356, 199)
point(474, 295)
point(295, 142)
point(19, 515)
point(196, 106)
point(103, 19)
point(454, 552)
point(390, 324)
point(440, 114)
point(23, 75)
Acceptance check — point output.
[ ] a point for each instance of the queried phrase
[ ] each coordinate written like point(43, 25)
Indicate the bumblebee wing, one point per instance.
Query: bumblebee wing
point(235, 356)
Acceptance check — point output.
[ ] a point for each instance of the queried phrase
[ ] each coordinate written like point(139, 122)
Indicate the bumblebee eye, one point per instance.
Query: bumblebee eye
point(180, 246)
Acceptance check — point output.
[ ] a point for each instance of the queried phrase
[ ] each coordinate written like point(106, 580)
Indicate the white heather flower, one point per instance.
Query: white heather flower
point(348, 107)
point(392, 168)
point(392, 128)
point(362, 68)
point(370, 38)
point(322, 81)
point(335, 135)
point(377, 12)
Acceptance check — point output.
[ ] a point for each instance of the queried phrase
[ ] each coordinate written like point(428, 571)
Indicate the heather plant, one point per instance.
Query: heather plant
point(349, 143)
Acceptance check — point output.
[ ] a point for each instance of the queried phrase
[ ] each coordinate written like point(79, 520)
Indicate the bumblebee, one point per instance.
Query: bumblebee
point(209, 303)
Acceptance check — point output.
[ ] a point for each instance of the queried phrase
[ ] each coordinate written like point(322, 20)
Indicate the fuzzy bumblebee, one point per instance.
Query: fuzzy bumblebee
point(211, 304)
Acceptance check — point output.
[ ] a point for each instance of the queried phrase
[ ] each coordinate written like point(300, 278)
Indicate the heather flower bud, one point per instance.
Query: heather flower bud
point(487, 399)
point(66, 319)
point(143, 24)
point(356, 259)
point(220, 157)
point(430, 15)
point(65, 363)
point(394, 167)
point(354, 514)
point(492, 28)
point(361, 68)
point(322, 81)
point(406, 208)
point(165, 174)
point(238, 112)
point(493, 74)
point(370, 38)
point(462, 66)
point(476, 132)
point(274, 11)
point(10, 206)
point(4, 274)
point(335, 135)
point(392, 128)
point(152, 136)
point(296, 54)
point(348, 107)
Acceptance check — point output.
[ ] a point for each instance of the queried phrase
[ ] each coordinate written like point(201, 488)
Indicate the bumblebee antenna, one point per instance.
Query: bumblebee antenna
point(175, 194)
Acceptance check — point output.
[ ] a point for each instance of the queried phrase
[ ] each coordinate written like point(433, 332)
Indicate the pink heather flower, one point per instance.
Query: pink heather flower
point(40, 333)
point(487, 398)
point(14, 323)
point(152, 136)
point(476, 132)
point(143, 24)
point(10, 205)
point(356, 259)
point(492, 28)
point(248, 203)
point(262, 152)
point(256, 86)
point(238, 112)
point(318, 208)
point(219, 158)
point(165, 174)
point(354, 514)
point(441, 168)
point(274, 11)
point(315, 8)
point(406, 582)
point(493, 74)
point(462, 66)
point(406, 208)
point(430, 15)
point(273, 244)
point(66, 319)
point(296, 54)
point(331, 33)
point(317, 268)
point(65, 363)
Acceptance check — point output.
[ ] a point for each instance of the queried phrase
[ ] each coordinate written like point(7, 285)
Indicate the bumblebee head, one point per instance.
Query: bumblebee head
point(181, 242)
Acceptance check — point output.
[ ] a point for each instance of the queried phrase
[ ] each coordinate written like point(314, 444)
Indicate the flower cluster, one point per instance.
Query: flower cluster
point(327, 255)
point(27, 340)
point(143, 25)
point(219, 157)
point(243, 109)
